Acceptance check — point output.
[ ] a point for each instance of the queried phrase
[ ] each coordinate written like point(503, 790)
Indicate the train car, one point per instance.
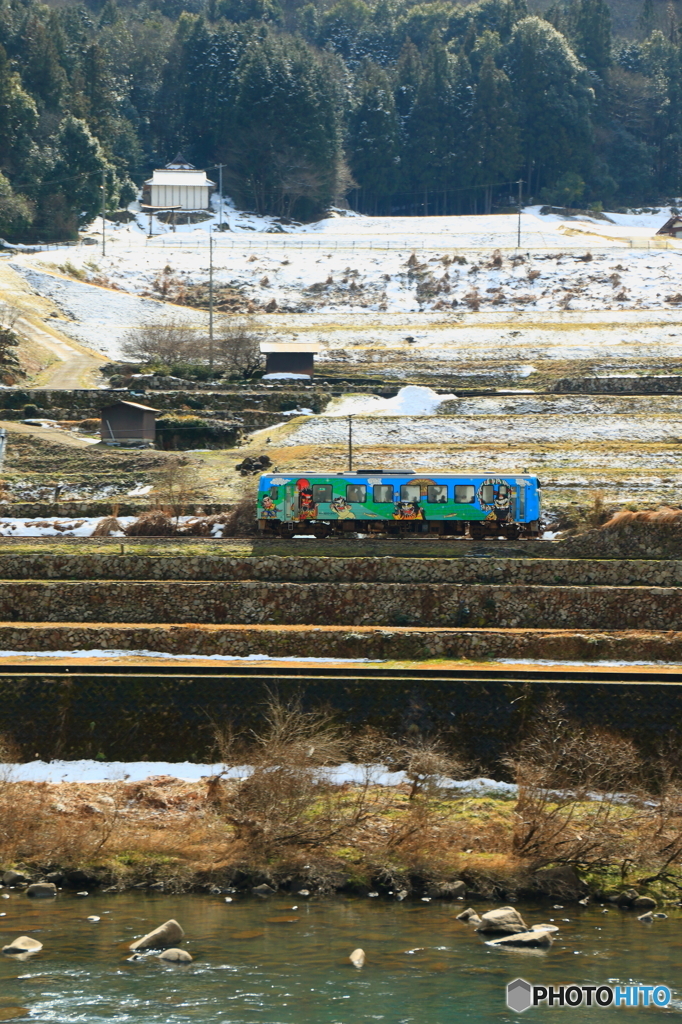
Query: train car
point(478, 505)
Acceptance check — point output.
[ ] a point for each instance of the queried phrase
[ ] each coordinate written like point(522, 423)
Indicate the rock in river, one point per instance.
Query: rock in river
point(176, 956)
point(163, 937)
point(24, 944)
point(534, 939)
point(504, 921)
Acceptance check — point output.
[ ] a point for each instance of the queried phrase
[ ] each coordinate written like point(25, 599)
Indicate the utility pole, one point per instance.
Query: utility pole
point(104, 211)
point(350, 444)
point(210, 298)
point(518, 229)
point(220, 188)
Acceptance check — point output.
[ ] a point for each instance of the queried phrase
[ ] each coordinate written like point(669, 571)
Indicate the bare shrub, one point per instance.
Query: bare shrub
point(241, 519)
point(596, 515)
point(155, 523)
point(177, 484)
point(288, 798)
point(425, 760)
point(237, 348)
point(473, 299)
point(167, 341)
point(568, 809)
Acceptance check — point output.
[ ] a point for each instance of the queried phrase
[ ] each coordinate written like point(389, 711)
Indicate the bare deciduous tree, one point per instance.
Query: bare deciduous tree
point(168, 341)
point(237, 348)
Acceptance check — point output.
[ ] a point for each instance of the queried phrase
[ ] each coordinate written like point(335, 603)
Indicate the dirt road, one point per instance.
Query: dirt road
point(50, 358)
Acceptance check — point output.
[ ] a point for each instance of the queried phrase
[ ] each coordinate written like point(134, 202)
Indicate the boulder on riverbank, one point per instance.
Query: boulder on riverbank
point(42, 890)
point(24, 944)
point(504, 921)
point(165, 936)
point(14, 878)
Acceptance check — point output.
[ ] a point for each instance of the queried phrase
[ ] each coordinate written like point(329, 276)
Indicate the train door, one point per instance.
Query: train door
point(290, 502)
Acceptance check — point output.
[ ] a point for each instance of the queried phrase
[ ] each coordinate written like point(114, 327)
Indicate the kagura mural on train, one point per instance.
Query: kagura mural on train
point(505, 505)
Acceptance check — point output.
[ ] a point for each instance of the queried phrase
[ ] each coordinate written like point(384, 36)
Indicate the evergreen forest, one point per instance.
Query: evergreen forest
point(397, 106)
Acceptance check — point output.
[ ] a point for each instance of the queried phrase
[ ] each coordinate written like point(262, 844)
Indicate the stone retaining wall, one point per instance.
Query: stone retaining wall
point(87, 403)
point(312, 569)
point(641, 385)
point(333, 603)
point(372, 642)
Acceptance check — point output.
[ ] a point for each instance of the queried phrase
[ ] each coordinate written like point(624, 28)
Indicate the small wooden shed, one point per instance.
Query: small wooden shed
point(289, 358)
point(128, 423)
point(672, 227)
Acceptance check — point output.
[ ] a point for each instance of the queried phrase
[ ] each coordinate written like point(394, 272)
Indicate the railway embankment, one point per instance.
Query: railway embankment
point(352, 604)
point(491, 569)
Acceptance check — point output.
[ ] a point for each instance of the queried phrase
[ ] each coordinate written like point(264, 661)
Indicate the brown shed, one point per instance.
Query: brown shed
point(290, 358)
point(128, 423)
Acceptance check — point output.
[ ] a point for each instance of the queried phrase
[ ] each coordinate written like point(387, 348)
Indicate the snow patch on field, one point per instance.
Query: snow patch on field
point(410, 401)
point(137, 771)
point(497, 421)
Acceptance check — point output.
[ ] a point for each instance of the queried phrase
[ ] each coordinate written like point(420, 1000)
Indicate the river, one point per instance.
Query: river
point(285, 961)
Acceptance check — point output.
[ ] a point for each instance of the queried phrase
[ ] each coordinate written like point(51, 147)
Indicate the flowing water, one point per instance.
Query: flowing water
point(285, 961)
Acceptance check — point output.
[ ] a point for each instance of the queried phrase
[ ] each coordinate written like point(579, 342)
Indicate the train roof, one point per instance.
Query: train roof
point(399, 472)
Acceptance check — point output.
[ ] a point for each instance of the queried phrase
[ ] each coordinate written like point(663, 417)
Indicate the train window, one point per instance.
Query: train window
point(274, 493)
point(487, 494)
point(410, 492)
point(383, 492)
point(322, 492)
point(464, 494)
point(356, 492)
point(437, 493)
point(503, 491)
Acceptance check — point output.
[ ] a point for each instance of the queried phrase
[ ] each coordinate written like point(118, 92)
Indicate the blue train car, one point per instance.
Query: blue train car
point(479, 505)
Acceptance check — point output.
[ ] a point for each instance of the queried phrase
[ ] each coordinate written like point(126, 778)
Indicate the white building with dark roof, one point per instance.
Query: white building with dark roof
point(179, 185)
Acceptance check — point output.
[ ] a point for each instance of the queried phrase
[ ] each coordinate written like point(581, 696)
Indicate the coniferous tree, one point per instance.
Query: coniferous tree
point(374, 140)
point(554, 100)
point(494, 144)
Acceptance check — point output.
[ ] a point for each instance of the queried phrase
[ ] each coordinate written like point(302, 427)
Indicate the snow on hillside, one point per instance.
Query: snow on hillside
point(285, 276)
point(99, 319)
point(369, 280)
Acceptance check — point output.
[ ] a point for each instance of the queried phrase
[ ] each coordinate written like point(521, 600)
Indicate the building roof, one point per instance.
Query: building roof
point(132, 405)
point(674, 222)
point(289, 346)
point(180, 163)
point(179, 177)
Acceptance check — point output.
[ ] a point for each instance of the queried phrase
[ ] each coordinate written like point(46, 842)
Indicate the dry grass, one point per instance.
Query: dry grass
point(107, 526)
point(288, 814)
point(663, 516)
point(155, 523)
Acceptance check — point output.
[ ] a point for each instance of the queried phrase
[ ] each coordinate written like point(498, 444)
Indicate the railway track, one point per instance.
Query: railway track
point(352, 674)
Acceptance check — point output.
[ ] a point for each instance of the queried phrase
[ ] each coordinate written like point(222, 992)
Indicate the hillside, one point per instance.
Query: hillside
point(414, 110)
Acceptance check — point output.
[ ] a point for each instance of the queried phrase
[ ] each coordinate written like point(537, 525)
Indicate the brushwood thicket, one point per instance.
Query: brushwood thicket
point(399, 106)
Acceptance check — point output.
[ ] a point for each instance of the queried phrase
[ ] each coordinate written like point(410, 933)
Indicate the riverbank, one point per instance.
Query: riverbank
point(166, 834)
